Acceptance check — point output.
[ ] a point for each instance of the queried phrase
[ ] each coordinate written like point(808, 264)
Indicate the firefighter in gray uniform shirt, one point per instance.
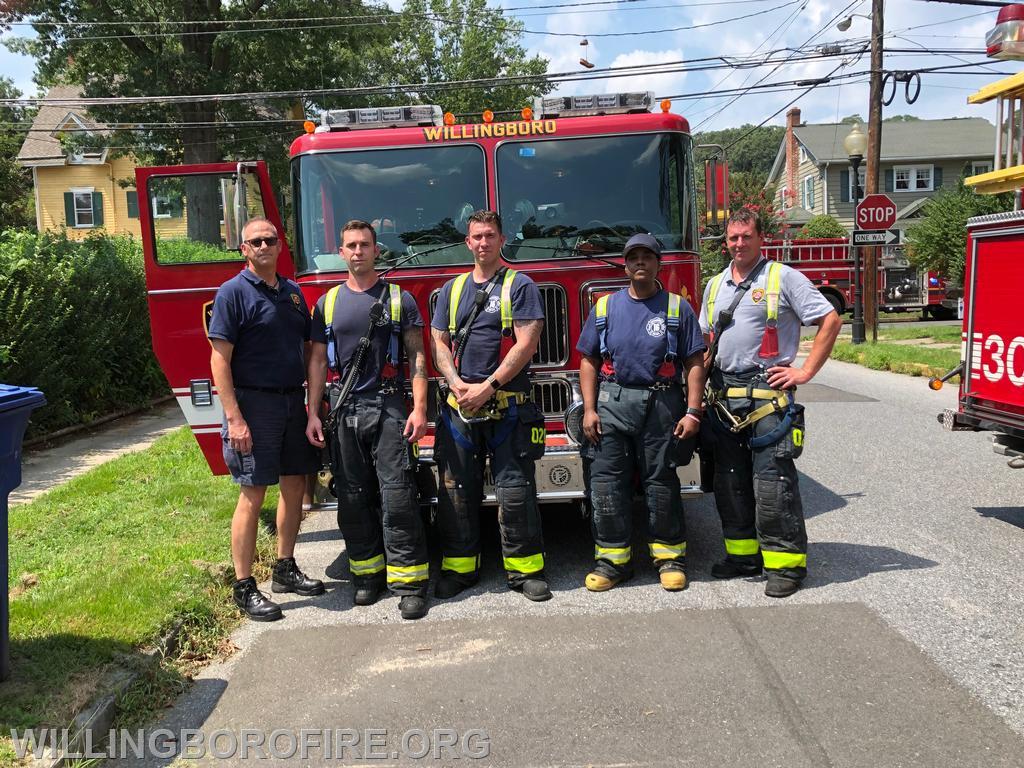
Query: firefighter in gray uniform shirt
point(753, 424)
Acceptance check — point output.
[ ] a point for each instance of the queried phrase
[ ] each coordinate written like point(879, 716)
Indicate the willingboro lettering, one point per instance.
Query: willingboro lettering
point(489, 130)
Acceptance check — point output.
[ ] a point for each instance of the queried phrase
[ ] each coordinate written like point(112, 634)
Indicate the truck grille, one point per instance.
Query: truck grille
point(554, 341)
point(552, 397)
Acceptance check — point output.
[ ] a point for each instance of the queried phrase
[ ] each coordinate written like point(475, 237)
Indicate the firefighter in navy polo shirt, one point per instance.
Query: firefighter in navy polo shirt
point(637, 343)
point(372, 433)
point(755, 427)
point(260, 332)
point(485, 330)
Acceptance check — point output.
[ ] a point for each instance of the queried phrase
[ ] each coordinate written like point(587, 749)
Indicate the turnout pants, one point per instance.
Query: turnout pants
point(378, 504)
point(756, 489)
point(637, 439)
point(513, 445)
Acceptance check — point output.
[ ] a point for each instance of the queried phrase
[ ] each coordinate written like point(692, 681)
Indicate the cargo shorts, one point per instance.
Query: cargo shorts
point(277, 422)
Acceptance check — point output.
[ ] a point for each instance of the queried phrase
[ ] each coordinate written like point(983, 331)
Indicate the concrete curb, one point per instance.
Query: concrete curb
point(98, 716)
point(76, 428)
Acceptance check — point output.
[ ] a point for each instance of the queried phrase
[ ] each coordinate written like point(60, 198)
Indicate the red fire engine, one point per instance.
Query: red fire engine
point(573, 179)
point(827, 263)
point(991, 370)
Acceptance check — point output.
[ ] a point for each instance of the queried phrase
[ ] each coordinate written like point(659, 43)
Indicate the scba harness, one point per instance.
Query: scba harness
point(665, 376)
point(392, 359)
point(775, 401)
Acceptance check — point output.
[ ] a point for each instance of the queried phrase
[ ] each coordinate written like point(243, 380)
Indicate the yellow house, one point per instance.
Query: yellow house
point(86, 191)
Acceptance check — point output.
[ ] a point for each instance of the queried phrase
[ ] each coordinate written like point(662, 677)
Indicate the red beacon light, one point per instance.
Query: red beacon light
point(1005, 40)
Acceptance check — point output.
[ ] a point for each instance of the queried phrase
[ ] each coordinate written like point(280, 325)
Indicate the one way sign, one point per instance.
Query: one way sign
point(883, 237)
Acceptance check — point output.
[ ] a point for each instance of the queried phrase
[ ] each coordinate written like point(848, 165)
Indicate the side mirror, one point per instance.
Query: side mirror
point(716, 192)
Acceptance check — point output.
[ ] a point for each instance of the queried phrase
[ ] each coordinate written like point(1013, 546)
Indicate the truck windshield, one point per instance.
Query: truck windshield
point(562, 198)
point(417, 199)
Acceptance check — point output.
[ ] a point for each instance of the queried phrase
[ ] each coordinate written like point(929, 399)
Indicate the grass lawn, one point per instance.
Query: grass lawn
point(937, 352)
point(103, 565)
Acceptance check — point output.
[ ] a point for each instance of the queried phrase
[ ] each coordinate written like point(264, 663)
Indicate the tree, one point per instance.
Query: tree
point(441, 41)
point(749, 149)
point(938, 241)
point(821, 226)
point(16, 201)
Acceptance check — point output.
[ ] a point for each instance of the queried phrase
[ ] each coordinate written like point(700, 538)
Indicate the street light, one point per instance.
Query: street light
point(844, 25)
point(856, 144)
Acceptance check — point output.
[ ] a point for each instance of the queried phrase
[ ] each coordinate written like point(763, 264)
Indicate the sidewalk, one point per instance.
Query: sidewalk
point(46, 467)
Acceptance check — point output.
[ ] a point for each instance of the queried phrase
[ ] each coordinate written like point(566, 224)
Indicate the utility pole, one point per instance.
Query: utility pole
point(870, 262)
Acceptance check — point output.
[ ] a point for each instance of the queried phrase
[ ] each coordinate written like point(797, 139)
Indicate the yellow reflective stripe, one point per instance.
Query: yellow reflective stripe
point(506, 298)
point(713, 286)
point(364, 567)
point(614, 555)
point(453, 301)
point(601, 309)
point(528, 564)
point(774, 284)
point(460, 564)
point(760, 394)
point(741, 546)
point(661, 551)
point(774, 561)
point(396, 304)
point(674, 300)
point(332, 297)
point(406, 574)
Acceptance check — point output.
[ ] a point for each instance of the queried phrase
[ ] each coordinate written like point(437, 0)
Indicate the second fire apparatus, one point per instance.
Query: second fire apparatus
point(573, 180)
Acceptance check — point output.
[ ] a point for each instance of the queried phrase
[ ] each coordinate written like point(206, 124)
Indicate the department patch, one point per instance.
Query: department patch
point(295, 300)
point(757, 295)
point(493, 304)
point(656, 327)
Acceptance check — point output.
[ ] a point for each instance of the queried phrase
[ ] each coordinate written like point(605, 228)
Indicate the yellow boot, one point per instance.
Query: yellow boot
point(672, 579)
point(598, 582)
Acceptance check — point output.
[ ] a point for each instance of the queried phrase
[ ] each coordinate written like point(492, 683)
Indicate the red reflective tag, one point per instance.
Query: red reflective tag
point(769, 342)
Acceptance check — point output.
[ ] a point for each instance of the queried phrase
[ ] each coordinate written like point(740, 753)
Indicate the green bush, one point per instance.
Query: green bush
point(181, 250)
point(821, 226)
point(74, 322)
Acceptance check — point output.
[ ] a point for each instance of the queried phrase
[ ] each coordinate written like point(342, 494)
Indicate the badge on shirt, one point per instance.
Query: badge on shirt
point(296, 300)
point(757, 295)
point(656, 327)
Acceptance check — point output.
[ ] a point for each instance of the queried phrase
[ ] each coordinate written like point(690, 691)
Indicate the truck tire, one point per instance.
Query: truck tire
point(835, 301)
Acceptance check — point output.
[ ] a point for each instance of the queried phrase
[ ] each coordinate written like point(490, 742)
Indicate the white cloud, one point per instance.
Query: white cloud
point(661, 84)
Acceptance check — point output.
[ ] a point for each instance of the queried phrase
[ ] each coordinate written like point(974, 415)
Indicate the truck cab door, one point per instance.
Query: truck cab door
point(191, 218)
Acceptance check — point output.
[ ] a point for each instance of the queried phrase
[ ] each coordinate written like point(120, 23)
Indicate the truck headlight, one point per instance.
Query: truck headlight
point(574, 422)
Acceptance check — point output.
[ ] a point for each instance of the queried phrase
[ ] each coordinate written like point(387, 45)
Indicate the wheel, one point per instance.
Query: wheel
point(835, 301)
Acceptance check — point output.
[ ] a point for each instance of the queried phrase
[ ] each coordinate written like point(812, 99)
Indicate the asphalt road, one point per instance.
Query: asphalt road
point(905, 648)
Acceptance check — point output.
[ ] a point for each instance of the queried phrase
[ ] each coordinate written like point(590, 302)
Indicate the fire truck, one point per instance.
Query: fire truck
point(991, 370)
point(573, 178)
point(827, 263)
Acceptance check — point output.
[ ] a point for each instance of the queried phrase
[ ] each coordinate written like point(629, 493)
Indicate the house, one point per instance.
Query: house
point(80, 191)
point(812, 172)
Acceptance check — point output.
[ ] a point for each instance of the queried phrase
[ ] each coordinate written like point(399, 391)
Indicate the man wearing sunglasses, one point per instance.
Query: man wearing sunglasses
point(260, 337)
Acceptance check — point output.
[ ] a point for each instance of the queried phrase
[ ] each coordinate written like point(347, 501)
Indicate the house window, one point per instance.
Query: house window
point(784, 197)
point(807, 193)
point(162, 207)
point(862, 175)
point(83, 207)
point(981, 166)
point(803, 154)
point(912, 178)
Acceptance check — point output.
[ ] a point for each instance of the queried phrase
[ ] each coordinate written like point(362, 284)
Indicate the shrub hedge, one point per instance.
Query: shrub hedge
point(74, 322)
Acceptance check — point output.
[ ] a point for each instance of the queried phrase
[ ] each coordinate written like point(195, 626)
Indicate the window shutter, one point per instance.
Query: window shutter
point(844, 186)
point(810, 196)
point(890, 184)
point(936, 177)
point(133, 204)
point(69, 209)
point(97, 209)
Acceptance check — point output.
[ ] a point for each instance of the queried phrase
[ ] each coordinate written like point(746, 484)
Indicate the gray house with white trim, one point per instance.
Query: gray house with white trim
point(812, 173)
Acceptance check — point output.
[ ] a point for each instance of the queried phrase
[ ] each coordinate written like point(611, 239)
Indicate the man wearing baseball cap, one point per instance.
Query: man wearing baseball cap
point(641, 416)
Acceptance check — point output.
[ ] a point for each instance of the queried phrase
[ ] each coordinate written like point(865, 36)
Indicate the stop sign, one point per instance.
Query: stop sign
point(876, 212)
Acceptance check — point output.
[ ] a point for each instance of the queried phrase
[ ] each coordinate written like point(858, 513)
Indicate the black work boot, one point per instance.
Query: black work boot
point(412, 607)
point(254, 603)
point(780, 586)
point(448, 586)
point(368, 592)
point(288, 578)
point(734, 569)
point(533, 589)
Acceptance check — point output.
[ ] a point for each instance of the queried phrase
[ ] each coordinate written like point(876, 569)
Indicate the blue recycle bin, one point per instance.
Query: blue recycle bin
point(16, 405)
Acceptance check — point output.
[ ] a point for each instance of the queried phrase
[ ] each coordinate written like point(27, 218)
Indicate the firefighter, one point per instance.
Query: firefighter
point(359, 330)
point(259, 331)
point(637, 417)
point(752, 314)
point(485, 330)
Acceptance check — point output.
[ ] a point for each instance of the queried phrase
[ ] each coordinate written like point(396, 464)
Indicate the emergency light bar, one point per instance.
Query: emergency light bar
point(1006, 39)
point(594, 104)
point(379, 117)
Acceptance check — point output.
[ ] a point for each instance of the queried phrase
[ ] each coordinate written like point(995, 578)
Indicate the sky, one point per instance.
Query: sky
point(641, 32)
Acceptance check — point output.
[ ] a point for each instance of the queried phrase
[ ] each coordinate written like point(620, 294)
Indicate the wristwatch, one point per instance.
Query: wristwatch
point(495, 384)
point(698, 412)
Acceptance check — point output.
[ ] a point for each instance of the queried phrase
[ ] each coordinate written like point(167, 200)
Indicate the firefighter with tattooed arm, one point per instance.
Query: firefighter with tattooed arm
point(751, 315)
